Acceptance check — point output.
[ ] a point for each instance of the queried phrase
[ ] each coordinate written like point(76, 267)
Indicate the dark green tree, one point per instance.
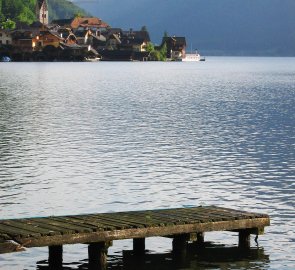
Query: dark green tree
point(8, 24)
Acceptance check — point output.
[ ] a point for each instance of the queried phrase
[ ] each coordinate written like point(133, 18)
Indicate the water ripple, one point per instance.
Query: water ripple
point(119, 136)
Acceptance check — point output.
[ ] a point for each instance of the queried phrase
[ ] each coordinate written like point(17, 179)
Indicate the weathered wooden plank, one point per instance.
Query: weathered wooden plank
point(4, 236)
point(51, 227)
point(214, 216)
point(75, 221)
point(106, 222)
point(100, 226)
point(162, 217)
point(63, 225)
point(222, 214)
point(159, 217)
point(142, 221)
point(26, 225)
point(15, 232)
point(188, 218)
point(119, 219)
point(138, 217)
point(143, 232)
point(237, 212)
point(148, 220)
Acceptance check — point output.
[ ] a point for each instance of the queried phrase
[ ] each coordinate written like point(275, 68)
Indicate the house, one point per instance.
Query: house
point(135, 40)
point(175, 47)
point(67, 35)
point(5, 37)
point(98, 40)
point(83, 36)
point(42, 11)
point(46, 38)
point(113, 42)
point(22, 40)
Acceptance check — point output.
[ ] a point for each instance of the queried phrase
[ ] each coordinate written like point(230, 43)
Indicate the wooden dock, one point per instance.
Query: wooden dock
point(99, 230)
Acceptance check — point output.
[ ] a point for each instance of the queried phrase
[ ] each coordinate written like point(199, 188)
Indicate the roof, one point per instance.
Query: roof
point(53, 33)
point(88, 22)
point(138, 35)
point(99, 38)
point(116, 37)
point(180, 41)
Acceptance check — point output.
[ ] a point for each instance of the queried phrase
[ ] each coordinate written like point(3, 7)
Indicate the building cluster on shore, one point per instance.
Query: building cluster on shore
point(82, 38)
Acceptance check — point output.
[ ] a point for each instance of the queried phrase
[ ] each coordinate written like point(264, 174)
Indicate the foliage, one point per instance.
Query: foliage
point(150, 47)
point(78, 15)
point(8, 24)
point(17, 10)
point(157, 54)
point(24, 10)
point(63, 9)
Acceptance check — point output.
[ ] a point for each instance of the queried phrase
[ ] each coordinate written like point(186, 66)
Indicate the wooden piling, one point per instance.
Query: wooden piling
point(200, 238)
point(97, 253)
point(55, 257)
point(179, 244)
point(244, 239)
point(139, 246)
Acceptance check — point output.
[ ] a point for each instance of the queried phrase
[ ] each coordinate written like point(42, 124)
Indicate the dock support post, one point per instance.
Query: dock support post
point(244, 239)
point(179, 244)
point(97, 253)
point(139, 246)
point(179, 249)
point(55, 257)
point(200, 239)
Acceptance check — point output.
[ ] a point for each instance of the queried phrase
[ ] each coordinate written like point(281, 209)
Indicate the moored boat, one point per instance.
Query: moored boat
point(192, 57)
point(5, 59)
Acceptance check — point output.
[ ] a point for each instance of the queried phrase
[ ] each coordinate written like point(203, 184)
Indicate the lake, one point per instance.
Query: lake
point(114, 136)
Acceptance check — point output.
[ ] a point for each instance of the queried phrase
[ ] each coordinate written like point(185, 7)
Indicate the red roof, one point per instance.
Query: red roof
point(88, 22)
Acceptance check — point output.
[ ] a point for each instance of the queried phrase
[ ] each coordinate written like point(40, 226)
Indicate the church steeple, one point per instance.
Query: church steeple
point(42, 11)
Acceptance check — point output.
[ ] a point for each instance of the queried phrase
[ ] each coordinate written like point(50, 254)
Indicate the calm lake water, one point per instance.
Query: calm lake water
point(99, 137)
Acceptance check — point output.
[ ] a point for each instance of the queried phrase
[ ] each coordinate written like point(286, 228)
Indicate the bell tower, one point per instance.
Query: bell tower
point(42, 11)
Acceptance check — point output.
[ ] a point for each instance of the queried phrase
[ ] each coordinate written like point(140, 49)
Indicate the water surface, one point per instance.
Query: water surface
point(99, 137)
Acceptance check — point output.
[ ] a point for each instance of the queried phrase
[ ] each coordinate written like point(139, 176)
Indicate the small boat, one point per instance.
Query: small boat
point(191, 57)
point(5, 59)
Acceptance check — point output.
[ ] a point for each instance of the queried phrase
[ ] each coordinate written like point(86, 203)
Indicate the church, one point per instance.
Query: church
point(42, 11)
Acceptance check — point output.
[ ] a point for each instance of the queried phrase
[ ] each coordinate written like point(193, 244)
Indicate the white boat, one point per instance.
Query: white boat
point(192, 57)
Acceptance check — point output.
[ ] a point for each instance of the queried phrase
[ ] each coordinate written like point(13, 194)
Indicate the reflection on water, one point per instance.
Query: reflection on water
point(208, 257)
point(99, 137)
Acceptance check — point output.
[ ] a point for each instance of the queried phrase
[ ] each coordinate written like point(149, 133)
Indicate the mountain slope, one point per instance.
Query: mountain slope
point(24, 10)
point(235, 27)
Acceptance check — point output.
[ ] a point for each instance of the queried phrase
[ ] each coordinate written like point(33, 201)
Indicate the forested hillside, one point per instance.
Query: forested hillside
point(24, 10)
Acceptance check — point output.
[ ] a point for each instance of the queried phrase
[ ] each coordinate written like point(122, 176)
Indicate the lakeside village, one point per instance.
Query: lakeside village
point(85, 39)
